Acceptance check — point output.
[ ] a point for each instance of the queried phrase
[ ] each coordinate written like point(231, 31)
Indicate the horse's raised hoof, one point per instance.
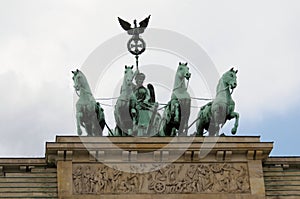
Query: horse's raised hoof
point(233, 131)
point(79, 132)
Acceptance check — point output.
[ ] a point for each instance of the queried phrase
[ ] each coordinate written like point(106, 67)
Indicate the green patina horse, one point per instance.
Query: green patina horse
point(122, 114)
point(89, 113)
point(221, 109)
point(177, 112)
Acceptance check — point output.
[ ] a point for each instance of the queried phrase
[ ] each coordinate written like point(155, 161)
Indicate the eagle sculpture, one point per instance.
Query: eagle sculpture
point(134, 30)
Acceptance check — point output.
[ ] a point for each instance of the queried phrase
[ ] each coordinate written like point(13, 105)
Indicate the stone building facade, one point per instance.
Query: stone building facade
point(150, 168)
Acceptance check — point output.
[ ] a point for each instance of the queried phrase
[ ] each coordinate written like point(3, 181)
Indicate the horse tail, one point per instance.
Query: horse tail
point(152, 93)
point(100, 115)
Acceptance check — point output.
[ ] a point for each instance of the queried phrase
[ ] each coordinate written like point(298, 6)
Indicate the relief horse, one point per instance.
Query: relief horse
point(89, 113)
point(122, 114)
point(177, 112)
point(221, 109)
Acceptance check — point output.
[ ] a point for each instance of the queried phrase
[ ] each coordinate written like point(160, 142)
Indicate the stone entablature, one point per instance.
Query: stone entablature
point(157, 149)
point(159, 167)
point(282, 177)
point(27, 178)
point(234, 167)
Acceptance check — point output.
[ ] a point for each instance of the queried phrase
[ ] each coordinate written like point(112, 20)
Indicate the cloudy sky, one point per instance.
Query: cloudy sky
point(42, 41)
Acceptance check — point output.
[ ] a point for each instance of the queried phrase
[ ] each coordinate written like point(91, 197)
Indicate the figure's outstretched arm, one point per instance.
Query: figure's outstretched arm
point(135, 73)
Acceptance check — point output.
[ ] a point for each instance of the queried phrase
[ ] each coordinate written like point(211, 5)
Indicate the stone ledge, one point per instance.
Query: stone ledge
point(282, 160)
point(235, 139)
point(169, 196)
point(20, 164)
point(128, 149)
point(22, 161)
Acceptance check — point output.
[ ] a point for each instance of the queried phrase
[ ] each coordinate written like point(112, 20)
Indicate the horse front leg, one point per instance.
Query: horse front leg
point(236, 123)
point(214, 127)
point(162, 127)
point(199, 127)
point(78, 118)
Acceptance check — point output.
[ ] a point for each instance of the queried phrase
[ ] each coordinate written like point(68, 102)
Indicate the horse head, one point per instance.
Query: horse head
point(80, 81)
point(229, 78)
point(76, 78)
point(128, 75)
point(183, 71)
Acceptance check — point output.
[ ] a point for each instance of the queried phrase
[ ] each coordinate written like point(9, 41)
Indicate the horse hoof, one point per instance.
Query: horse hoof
point(196, 134)
point(233, 131)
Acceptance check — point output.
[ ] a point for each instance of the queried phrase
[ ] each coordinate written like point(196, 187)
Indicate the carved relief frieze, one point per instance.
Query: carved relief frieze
point(167, 179)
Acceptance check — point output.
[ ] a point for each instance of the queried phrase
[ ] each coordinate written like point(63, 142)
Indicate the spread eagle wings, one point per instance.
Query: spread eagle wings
point(134, 30)
point(124, 24)
point(144, 23)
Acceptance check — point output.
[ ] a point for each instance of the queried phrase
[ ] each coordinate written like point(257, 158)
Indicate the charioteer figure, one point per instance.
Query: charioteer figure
point(142, 104)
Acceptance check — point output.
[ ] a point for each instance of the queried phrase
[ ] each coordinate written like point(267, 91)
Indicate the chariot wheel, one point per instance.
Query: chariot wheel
point(159, 187)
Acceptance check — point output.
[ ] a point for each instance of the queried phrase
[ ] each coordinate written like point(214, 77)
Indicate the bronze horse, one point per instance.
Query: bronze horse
point(221, 109)
point(177, 112)
point(89, 113)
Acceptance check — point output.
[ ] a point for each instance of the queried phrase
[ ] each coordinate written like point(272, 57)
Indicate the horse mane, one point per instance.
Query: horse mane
point(85, 80)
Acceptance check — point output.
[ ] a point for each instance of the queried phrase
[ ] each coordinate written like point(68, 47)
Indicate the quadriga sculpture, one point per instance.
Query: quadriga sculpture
point(221, 109)
point(177, 112)
point(89, 113)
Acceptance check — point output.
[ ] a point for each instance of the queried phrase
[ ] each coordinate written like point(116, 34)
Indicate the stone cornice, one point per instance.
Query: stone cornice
point(162, 148)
